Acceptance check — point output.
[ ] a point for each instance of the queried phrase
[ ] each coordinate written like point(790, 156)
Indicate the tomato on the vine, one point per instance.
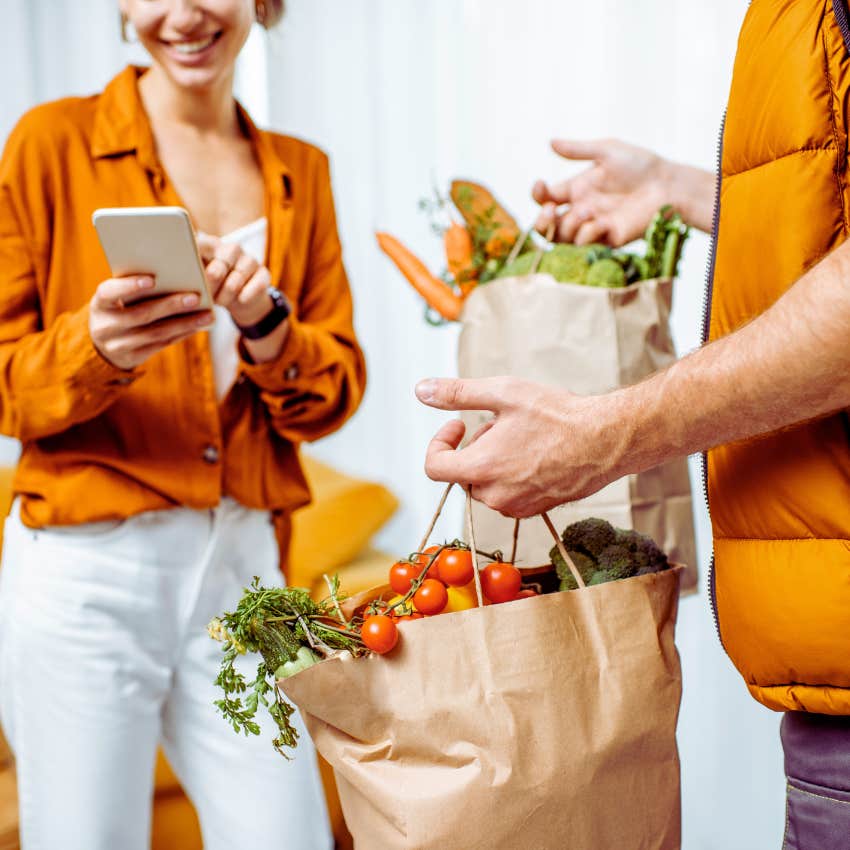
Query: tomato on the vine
point(402, 574)
point(379, 633)
point(423, 559)
point(500, 582)
point(455, 566)
point(431, 597)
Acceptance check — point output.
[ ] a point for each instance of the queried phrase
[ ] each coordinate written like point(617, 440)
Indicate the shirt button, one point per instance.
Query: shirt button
point(291, 373)
point(211, 454)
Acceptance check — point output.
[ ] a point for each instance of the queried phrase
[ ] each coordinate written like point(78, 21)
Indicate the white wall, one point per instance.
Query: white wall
point(404, 94)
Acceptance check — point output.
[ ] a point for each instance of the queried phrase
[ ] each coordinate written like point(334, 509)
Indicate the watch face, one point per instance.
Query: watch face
point(277, 297)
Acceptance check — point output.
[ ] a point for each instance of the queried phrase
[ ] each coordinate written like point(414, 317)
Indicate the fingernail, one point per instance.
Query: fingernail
point(426, 390)
point(190, 300)
point(144, 282)
point(208, 319)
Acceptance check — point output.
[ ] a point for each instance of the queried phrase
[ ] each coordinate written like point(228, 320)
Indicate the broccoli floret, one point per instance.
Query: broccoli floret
point(519, 267)
point(602, 576)
point(646, 553)
point(589, 535)
point(617, 561)
point(607, 273)
point(584, 564)
point(603, 553)
point(566, 263)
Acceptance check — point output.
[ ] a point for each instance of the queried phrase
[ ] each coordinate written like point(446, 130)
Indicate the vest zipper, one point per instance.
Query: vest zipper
point(839, 9)
point(706, 325)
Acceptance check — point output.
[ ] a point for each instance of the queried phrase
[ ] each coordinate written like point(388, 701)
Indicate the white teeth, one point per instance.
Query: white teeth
point(193, 46)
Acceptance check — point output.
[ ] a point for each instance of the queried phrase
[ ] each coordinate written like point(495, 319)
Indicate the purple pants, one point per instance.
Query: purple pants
point(817, 764)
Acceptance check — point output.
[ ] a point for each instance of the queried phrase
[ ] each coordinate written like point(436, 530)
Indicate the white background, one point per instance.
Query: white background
point(407, 94)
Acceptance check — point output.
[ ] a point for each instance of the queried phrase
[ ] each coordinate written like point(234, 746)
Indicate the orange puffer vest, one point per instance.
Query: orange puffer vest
point(780, 505)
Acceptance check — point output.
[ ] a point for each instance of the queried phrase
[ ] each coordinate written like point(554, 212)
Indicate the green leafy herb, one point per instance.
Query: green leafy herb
point(277, 623)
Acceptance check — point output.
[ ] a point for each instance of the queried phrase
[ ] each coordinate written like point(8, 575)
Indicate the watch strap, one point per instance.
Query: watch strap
point(279, 313)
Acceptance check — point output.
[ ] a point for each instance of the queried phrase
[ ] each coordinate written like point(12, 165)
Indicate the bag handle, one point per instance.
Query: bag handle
point(539, 249)
point(474, 551)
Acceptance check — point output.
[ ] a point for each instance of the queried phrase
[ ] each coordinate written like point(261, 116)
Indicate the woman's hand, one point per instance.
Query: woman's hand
point(614, 200)
point(126, 334)
point(237, 281)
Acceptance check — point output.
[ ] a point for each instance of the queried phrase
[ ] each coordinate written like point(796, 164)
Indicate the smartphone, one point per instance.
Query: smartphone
point(153, 240)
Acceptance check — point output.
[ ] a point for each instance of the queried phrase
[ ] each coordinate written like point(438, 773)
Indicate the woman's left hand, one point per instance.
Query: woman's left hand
point(237, 281)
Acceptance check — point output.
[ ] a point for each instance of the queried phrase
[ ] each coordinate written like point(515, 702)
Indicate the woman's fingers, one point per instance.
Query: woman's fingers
point(127, 346)
point(117, 292)
point(119, 320)
point(243, 270)
point(223, 262)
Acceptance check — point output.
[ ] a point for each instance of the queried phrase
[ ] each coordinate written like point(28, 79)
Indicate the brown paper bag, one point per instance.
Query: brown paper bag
point(587, 340)
point(540, 724)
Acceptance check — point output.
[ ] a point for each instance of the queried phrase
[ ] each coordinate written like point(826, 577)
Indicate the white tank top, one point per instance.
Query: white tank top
point(224, 335)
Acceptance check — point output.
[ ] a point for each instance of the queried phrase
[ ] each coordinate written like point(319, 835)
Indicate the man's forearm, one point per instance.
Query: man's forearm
point(790, 364)
point(691, 192)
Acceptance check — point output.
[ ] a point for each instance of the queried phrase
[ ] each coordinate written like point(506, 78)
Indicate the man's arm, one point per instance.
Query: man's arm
point(546, 446)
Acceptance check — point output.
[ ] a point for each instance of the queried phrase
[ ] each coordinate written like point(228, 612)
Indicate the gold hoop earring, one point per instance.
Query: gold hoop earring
point(125, 30)
point(260, 9)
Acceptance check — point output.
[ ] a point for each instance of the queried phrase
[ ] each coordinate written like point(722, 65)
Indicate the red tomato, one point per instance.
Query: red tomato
point(526, 593)
point(431, 597)
point(500, 582)
point(455, 566)
point(379, 633)
point(414, 616)
point(423, 559)
point(402, 574)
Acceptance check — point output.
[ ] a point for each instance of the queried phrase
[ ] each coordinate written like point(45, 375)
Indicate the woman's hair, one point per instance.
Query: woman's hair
point(269, 12)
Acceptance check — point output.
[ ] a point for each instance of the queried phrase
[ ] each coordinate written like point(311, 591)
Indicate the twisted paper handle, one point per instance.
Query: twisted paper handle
point(473, 549)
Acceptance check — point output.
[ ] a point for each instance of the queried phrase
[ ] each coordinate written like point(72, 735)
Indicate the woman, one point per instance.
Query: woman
point(155, 454)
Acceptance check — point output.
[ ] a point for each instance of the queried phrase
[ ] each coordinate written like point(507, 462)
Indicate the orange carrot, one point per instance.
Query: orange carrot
point(437, 295)
point(457, 242)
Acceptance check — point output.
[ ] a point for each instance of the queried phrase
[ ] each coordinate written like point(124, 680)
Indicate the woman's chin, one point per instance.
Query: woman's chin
point(194, 79)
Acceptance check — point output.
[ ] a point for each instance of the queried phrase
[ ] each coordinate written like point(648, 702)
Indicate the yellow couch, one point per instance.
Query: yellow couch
point(332, 535)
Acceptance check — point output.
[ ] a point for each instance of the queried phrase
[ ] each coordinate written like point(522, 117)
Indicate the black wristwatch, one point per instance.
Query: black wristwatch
point(279, 312)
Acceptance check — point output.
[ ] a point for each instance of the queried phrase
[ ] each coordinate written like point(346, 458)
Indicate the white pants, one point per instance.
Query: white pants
point(104, 654)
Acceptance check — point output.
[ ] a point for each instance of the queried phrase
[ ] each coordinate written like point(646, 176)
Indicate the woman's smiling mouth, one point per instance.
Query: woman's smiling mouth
point(187, 48)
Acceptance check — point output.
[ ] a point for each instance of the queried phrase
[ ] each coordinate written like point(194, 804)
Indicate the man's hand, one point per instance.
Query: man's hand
point(544, 447)
point(614, 200)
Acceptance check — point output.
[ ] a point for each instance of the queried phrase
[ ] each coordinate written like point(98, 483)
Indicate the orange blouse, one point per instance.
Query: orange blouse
point(103, 443)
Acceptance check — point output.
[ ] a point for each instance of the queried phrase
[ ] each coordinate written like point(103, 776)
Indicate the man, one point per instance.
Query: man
point(766, 397)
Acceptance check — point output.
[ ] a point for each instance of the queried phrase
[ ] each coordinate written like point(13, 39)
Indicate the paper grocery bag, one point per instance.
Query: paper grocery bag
point(588, 340)
point(542, 724)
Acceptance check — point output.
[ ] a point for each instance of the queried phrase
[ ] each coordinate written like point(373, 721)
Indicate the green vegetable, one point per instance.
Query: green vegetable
point(607, 273)
point(665, 238)
point(279, 624)
point(584, 564)
point(567, 263)
point(519, 267)
point(603, 553)
point(304, 658)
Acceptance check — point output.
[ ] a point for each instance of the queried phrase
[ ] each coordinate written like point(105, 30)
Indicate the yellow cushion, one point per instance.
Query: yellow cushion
point(369, 569)
point(333, 530)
